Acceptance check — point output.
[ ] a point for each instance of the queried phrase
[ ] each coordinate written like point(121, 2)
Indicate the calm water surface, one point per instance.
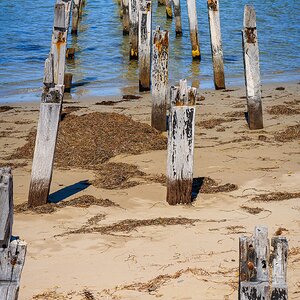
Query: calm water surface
point(102, 66)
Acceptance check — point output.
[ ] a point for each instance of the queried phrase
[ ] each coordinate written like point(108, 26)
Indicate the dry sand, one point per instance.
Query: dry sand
point(142, 248)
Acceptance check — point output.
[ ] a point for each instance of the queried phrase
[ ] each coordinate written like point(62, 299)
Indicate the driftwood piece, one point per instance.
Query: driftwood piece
point(177, 15)
point(159, 78)
point(252, 70)
point(216, 43)
point(145, 47)
point(181, 145)
point(192, 14)
point(6, 206)
point(279, 290)
point(133, 28)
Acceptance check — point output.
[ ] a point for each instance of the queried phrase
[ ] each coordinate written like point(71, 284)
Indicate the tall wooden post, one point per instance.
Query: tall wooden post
point(216, 43)
point(177, 15)
point(254, 269)
point(75, 16)
point(133, 28)
point(159, 78)
point(12, 253)
point(279, 256)
point(144, 47)
point(252, 72)
point(192, 13)
point(181, 145)
point(125, 9)
point(42, 165)
point(169, 12)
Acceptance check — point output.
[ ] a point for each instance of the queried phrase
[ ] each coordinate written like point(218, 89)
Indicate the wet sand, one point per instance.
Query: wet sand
point(191, 252)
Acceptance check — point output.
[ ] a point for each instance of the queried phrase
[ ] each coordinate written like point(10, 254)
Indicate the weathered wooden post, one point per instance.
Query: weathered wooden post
point(254, 266)
point(68, 82)
point(177, 15)
point(42, 165)
point(161, 2)
point(252, 72)
point(12, 253)
point(144, 47)
point(70, 53)
point(133, 28)
point(192, 13)
point(181, 144)
point(159, 78)
point(125, 9)
point(279, 290)
point(75, 16)
point(216, 43)
point(169, 12)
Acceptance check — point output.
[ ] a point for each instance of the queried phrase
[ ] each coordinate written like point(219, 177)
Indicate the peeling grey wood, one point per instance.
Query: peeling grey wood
point(43, 158)
point(12, 260)
point(181, 145)
point(159, 78)
point(254, 291)
point(216, 43)
point(75, 16)
point(252, 70)
point(6, 206)
point(177, 15)
point(125, 14)
point(49, 72)
point(133, 28)
point(145, 47)
point(279, 290)
point(169, 12)
point(192, 14)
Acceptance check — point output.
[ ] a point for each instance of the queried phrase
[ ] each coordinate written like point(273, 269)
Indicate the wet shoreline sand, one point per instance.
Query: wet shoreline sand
point(137, 246)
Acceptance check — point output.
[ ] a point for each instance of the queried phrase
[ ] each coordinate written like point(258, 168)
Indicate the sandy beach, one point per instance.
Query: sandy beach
point(112, 235)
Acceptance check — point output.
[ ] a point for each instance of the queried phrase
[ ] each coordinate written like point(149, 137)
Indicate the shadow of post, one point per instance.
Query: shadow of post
point(196, 187)
point(68, 191)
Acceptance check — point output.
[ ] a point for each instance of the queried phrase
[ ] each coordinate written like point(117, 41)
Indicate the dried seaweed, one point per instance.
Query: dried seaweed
point(5, 108)
point(235, 114)
point(278, 110)
point(83, 202)
point(280, 230)
point(290, 134)
point(212, 123)
point(89, 140)
point(50, 295)
point(88, 295)
point(210, 186)
point(252, 210)
point(237, 229)
point(129, 225)
point(275, 196)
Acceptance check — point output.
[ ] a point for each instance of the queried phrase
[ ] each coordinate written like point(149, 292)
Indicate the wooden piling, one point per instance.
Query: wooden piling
point(169, 12)
point(192, 14)
point(181, 145)
point(12, 253)
point(254, 269)
point(252, 72)
point(6, 206)
point(125, 9)
point(70, 53)
point(159, 78)
point(75, 16)
point(161, 2)
point(144, 47)
point(133, 28)
point(177, 15)
point(216, 43)
point(42, 165)
point(279, 290)
point(68, 82)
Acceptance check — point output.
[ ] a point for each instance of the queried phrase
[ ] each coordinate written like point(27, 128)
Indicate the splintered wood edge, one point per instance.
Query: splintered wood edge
point(249, 17)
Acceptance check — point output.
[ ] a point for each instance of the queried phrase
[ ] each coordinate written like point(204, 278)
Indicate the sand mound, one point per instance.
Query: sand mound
point(278, 110)
point(290, 134)
point(89, 140)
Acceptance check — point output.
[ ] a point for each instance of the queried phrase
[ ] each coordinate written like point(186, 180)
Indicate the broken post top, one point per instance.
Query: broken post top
point(212, 4)
point(59, 17)
point(183, 95)
point(6, 206)
point(249, 17)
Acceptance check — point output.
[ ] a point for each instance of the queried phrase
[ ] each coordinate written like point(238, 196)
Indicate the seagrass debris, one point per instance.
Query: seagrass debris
point(275, 196)
point(84, 201)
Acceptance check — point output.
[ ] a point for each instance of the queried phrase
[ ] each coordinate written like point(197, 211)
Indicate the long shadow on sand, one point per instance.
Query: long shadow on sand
point(68, 191)
point(197, 183)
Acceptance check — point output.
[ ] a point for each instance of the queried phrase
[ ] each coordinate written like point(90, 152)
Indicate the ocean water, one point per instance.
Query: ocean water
point(102, 66)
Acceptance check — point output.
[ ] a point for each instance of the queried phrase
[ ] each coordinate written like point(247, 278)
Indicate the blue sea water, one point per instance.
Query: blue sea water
point(102, 66)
